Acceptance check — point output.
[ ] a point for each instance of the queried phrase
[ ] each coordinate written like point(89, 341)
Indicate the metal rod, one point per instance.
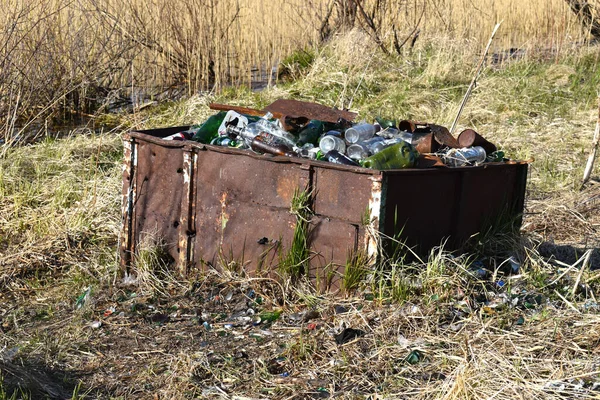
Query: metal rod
point(474, 80)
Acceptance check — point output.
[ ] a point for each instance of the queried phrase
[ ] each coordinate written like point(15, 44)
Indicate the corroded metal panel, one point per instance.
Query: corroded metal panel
point(342, 194)
point(160, 187)
point(427, 207)
point(309, 110)
point(332, 243)
point(126, 242)
point(241, 202)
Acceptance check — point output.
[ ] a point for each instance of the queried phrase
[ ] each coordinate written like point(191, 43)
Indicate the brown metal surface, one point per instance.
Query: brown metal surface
point(309, 110)
point(240, 200)
point(414, 126)
point(213, 205)
point(443, 136)
point(332, 242)
point(469, 137)
point(342, 195)
point(429, 161)
point(160, 187)
point(424, 142)
point(455, 204)
point(242, 110)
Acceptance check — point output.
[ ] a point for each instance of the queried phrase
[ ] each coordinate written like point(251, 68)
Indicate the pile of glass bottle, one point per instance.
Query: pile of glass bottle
point(378, 146)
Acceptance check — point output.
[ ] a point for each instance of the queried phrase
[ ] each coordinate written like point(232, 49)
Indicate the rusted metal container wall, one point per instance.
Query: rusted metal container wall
point(211, 205)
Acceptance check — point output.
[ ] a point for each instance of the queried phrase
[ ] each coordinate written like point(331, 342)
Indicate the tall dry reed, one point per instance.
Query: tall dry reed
point(60, 58)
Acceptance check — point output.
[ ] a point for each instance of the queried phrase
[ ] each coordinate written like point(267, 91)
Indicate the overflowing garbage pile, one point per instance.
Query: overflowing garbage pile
point(383, 144)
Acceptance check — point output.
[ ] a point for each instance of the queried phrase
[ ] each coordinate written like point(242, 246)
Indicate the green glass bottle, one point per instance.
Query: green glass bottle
point(310, 133)
point(401, 155)
point(385, 123)
point(209, 129)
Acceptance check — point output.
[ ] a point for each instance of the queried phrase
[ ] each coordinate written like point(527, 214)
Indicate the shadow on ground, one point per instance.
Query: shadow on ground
point(569, 254)
point(25, 379)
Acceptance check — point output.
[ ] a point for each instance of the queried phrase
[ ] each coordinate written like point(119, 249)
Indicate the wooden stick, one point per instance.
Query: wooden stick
point(474, 81)
point(590, 162)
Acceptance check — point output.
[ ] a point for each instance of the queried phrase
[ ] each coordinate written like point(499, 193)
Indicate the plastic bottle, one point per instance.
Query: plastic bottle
point(400, 155)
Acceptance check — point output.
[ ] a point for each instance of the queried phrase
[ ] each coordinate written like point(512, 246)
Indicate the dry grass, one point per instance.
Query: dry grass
point(433, 329)
point(60, 59)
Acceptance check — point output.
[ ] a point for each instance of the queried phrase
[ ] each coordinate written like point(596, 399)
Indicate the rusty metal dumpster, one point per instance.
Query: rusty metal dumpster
point(213, 204)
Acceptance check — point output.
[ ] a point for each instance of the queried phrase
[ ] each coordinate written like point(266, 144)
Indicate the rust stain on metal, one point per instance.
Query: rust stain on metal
point(243, 110)
point(127, 244)
point(424, 142)
point(469, 137)
point(443, 136)
point(309, 110)
point(286, 186)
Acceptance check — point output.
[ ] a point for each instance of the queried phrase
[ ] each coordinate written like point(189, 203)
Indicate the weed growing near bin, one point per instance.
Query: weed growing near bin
point(294, 262)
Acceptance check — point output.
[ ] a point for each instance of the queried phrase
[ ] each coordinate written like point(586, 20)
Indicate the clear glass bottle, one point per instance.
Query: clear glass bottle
point(330, 142)
point(360, 133)
point(358, 151)
point(393, 133)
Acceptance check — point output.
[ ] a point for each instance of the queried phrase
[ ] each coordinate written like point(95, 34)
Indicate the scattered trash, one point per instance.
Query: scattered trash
point(83, 298)
point(312, 314)
point(270, 316)
point(96, 324)
point(109, 311)
point(414, 357)
point(275, 366)
point(514, 265)
point(348, 335)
